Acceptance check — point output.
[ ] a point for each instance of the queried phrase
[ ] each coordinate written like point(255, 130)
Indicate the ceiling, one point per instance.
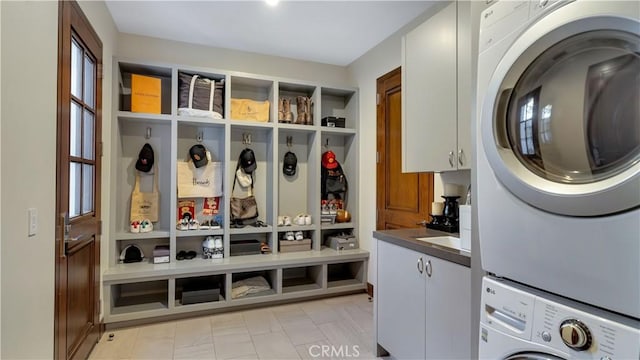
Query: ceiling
point(331, 32)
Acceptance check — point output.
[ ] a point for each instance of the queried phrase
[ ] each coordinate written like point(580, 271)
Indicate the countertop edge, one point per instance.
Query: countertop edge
point(406, 238)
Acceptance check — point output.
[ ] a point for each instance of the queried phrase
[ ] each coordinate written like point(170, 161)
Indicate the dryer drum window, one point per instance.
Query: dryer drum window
point(574, 114)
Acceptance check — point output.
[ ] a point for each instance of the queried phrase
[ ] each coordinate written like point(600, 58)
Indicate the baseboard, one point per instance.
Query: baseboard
point(370, 290)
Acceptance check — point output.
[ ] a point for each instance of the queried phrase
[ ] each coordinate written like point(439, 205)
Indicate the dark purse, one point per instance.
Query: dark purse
point(244, 211)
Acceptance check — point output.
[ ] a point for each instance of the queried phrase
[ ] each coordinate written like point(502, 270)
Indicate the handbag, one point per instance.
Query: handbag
point(247, 109)
point(202, 182)
point(145, 205)
point(244, 211)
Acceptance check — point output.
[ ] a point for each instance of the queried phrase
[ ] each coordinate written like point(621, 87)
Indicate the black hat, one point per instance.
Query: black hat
point(289, 164)
point(145, 158)
point(248, 160)
point(131, 254)
point(198, 154)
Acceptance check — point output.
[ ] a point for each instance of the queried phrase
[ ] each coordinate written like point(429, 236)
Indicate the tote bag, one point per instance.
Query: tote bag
point(202, 182)
point(145, 205)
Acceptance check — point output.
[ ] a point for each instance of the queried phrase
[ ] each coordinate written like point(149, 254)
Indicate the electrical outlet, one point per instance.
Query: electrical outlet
point(32, 214)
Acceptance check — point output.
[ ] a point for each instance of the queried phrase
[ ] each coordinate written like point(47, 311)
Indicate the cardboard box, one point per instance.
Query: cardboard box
point(295, 245)
point(146, 94)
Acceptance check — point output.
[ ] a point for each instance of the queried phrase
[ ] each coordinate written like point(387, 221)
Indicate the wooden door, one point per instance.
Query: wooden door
point(403, 199)
point(79, 149)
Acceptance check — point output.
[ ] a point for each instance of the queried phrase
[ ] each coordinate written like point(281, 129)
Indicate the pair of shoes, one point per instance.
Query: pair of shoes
point(188, 255)
point(143, 226)
point(284, 220)
point(209, 225)
point(188, 224)
point(284, 110)
point(302, 219)
point(305, 111)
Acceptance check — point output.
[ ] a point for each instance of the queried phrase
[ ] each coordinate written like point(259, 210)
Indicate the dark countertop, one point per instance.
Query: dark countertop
point(407, 239)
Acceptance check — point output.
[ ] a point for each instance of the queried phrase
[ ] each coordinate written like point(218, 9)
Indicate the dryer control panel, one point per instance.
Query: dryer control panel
point(580, 330)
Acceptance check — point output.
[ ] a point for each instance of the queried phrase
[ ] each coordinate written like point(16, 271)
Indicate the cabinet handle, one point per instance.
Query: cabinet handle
point(460, 157)
point(420, 265)
point(429, 268)
point(451, 158)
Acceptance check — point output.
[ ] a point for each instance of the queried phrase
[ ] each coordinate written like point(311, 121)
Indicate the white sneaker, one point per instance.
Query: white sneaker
point(299, 235)
point(217, 241)
point(289, 236)
point(307, 219)
point(194, 224)
point(299, 219)
point(135, 227)
point(280, 220)
point(286, 220)
point(146, 226)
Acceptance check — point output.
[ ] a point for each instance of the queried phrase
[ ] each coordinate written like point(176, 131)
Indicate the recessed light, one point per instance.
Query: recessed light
point(272, 2)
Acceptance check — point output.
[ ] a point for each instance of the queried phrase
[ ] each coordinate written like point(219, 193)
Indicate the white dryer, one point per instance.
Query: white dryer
point(558, 148)
point(526, 324)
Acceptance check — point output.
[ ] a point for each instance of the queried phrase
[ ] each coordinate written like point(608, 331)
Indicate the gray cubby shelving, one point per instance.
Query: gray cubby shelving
point(143, 290)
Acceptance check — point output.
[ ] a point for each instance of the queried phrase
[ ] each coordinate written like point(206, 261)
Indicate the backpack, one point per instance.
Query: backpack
point(333, 182)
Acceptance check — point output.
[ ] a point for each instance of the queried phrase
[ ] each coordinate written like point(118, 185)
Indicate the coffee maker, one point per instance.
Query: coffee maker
point(448, 221)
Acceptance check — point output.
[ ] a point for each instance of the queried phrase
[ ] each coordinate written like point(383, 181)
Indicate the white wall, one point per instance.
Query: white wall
point(28, 161)
point(385, 57)
point(149, 49)
point(0, 181)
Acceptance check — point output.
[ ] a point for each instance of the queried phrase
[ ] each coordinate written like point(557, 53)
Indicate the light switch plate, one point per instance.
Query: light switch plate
point(32, 214)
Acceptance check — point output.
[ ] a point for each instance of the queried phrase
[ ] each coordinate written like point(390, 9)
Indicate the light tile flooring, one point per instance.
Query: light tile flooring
point(339, 327)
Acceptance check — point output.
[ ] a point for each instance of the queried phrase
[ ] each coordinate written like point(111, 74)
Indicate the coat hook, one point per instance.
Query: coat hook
point(326, 143)
point(246, 139)
point(289, 141)
point(148, 134)
point(199, 137)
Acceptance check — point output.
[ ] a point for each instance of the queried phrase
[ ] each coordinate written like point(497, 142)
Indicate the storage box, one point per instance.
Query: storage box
point(244, 247)
point(199, 292)
point(161, 254)
point(332, 121)
point(295, 245)
point(342, 242)
point(146, 94)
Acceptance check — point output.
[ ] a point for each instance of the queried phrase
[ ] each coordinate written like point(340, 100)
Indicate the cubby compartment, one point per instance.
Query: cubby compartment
point(146, 246)
point(287, 246)
point(156, 72)
point(204, 104)
point(339, 103)
point(344, 274)
point(291, 91)
point(252, 284)
point(302, 278)
point(294, 196)
point(260, 141)
point(344, 146)
point(255, 89)
point(139, 296)
point(200, 289)
point(133, 134)
point(189, 243)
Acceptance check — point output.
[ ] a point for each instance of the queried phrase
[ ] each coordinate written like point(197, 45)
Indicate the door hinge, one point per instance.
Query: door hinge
point(378, 99)
point(99, 70)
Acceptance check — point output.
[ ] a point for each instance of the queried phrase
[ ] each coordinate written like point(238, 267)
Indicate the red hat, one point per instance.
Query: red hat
point(329, 160)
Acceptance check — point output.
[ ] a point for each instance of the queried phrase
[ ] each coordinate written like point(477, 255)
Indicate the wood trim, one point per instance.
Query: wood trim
point(370, 290)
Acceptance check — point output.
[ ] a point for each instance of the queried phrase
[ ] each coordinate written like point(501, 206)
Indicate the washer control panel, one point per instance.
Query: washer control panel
point(567, 326)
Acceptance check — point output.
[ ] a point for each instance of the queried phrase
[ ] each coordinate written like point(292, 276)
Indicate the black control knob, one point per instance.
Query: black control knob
point(575, 334)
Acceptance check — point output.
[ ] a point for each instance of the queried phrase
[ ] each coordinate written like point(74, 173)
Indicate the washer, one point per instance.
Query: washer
point(518, 322)
point(558, 148)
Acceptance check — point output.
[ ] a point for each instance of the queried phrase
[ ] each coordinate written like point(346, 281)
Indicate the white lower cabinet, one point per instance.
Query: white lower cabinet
point(423, 306)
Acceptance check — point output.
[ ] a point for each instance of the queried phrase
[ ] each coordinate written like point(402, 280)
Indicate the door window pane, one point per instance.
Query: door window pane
point(74, 188)
point(76, 69)
point(87, 139)
point(89, 76)
point(87, 188)
point(75, 130)
point(573, 115)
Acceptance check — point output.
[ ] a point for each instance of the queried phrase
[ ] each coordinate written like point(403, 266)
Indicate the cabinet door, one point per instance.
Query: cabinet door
point(466, 106)
point(448, 310)
point(400, 302)
point(429, 109)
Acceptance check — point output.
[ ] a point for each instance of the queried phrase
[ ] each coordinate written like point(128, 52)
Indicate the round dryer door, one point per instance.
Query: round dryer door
point(564, 135)
point(533, 356)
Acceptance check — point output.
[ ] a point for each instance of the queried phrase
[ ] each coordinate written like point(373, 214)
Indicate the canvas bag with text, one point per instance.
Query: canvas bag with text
point(203, 182)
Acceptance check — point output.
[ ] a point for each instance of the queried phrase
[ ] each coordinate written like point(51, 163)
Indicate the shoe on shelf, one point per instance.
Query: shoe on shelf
point(206, 225)
point(307, 219)
point(217, 243)
point(146, 226)
point(289, 236)
point(299, 219)
point(298, 235)
point(280, 220)
point(193, 224)
point(190, 255)
point(181, 255)
point(134, 227)
point(286, 220)
point(183, 224)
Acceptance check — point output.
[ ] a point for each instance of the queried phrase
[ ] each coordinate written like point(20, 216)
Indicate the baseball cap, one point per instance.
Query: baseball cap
point(248, 160)
point(131, 254)
point(329, 160)
point(145, 158)
point(198, 154)
point(289, 164)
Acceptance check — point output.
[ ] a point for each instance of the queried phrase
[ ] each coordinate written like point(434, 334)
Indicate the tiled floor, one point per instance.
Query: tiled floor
point(339, 327)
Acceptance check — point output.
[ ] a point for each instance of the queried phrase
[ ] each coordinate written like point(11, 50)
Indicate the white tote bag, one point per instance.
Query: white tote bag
point(203, 182)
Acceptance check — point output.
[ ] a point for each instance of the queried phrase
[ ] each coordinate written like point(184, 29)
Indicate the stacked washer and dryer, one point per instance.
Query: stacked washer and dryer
point(558, 177)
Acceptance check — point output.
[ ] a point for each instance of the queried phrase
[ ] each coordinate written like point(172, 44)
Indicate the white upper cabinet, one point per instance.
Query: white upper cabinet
point(436, 92)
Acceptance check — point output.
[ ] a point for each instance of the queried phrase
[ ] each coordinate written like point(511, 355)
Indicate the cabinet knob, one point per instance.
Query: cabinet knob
point(451, 158)
point(460, 157)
